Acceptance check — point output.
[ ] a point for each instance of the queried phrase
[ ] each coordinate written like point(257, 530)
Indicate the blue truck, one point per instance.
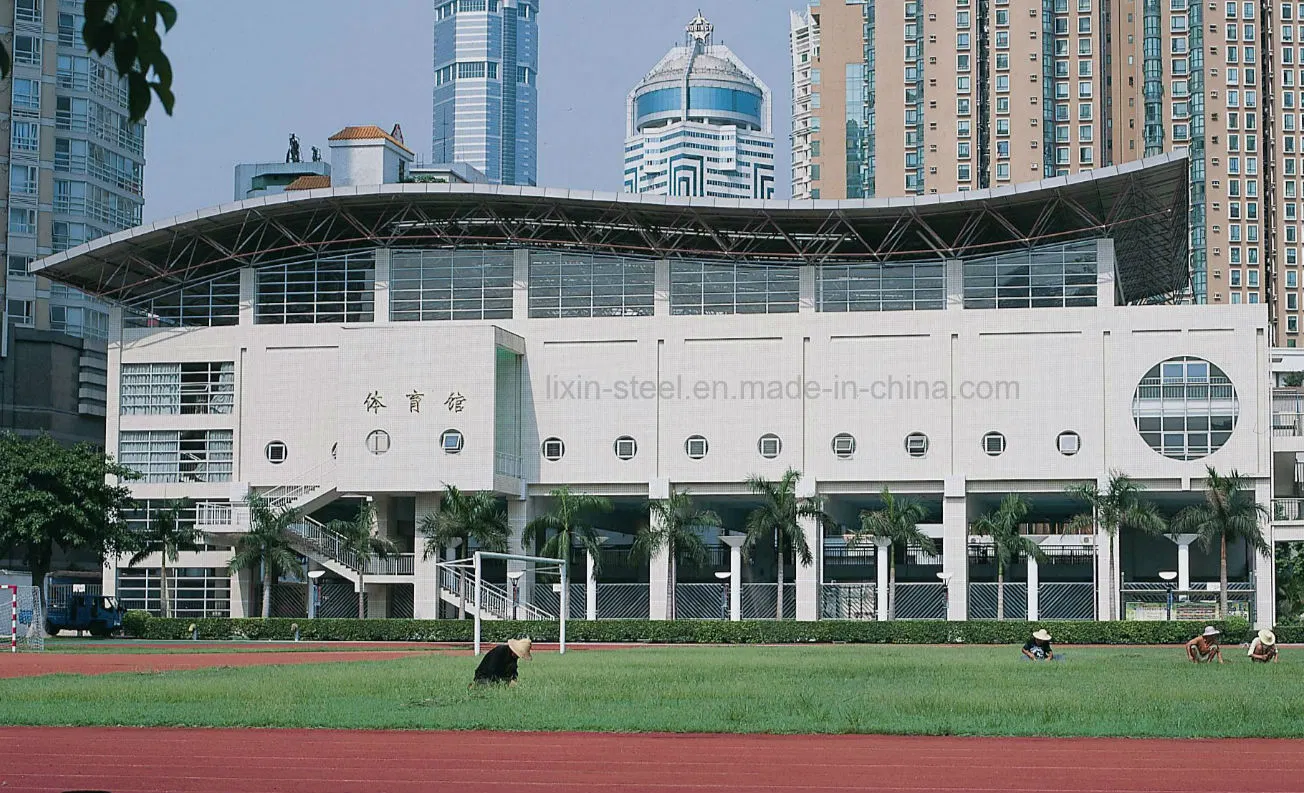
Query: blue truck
point(98, 614)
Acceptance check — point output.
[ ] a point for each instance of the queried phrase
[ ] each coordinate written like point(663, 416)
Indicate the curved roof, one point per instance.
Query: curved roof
point(1141, 205)
point(705, 65)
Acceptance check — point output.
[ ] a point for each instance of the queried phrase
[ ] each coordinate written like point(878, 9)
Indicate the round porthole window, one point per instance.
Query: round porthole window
point(695, 447)
point(1068, 443)
point(769, 446)
point(1185, 408)
point(451, 441)
point(917, 444)
point(276, 452)
point(553, 449)
point(994, 444)
point(625, 447)
point(844, 445)
point(378, 442)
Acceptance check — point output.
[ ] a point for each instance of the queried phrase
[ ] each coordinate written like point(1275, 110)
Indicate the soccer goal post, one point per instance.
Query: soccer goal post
point(483, 592)
point(22, 620)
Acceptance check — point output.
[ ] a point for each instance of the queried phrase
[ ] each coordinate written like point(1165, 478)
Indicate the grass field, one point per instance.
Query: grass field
point(825, 689)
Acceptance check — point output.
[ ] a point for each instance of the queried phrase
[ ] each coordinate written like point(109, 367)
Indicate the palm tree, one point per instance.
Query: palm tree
point(166, 536)
point(1116, 507)
point(1229, 512)
point(1002, 525)
point(555, 533)
point(266, 545)
point(898, 523)
point(465, 516)
point(673, 528)
point(362, 545)
point(780, 516)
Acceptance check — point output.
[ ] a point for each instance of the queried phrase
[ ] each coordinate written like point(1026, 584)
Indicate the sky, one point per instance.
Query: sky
point(247, 73)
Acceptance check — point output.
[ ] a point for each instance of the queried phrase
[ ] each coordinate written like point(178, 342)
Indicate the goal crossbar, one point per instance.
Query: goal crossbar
point(541, 563)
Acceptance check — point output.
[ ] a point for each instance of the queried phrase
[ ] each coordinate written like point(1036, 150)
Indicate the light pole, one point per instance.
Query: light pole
point(515, 578)
point(945, 578)
point(314, 593)
point(724, 576)
point(1168, 576)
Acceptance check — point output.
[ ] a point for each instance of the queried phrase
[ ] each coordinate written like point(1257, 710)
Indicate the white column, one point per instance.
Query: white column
point(377, 601)
point(1184, 560)
point(248, 295)
point(661, 288)
point(518, 516)
point(381, 289)
point(1265, 569)
point(425, 580)
point(109, 577)
point(806, 289)
point(954, 284)
point(881, 594)
point(1105, 273)
point(1034, 584)
point(658, 578)
point(808, 577)
point(955, 548)
point(240, 593)
point(591, 588)
point(735, 543)
point(520, 283)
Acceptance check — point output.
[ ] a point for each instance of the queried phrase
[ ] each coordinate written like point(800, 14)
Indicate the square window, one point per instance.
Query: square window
point(17, 265)
point(21, 312)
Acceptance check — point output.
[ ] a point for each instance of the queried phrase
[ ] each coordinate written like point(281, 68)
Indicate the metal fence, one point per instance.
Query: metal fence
point(703, 602)
point(548, 600)
point(758, 601)
point(921, 601)
point(402, 601)
point(984, 600)
point(623, 601)
point(1068, 600)
point(848, 602)
point(1147, 601)
point(56, 596)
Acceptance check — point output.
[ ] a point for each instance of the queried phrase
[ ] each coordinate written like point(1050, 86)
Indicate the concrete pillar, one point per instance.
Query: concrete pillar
point(1034, 584)
point(381, 289)
point(955, 548)
point(658, 579)
point(1106, 280)
point(518, 516)
point(1265, 569)
point(882, 595)
point(661, 288)
point(248, 295)
point(425, 579)
point(954, 284)
point(377, 601)
point(808, 576)
point(109, 577)
point(241, 593)
point(590, 587)
point(735, 543)
point(520, 283)
point(1184, 560)
point(807, 289)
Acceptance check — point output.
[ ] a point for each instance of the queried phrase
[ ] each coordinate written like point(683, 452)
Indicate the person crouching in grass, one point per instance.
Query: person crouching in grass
point(499, 664)
point(1038, 647)
point(1204, 648)
point(1263, 648)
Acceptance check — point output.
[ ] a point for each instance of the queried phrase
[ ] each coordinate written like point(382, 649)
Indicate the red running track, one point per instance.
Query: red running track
point(33, 664)
point(50, 760)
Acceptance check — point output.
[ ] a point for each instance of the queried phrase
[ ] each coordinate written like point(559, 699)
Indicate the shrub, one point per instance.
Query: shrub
point(143, 626)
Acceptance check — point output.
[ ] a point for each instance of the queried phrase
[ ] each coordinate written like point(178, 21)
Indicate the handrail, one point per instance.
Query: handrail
point(493, 598)
point(301, 484)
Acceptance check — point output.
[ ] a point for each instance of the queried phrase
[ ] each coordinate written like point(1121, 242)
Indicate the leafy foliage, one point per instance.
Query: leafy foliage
point(673, 528)
point(166, 536)
point(363, 544)
point(53, 495)
point(555, 533)
point(780, 516)
point(897, 522)
point(478, 517)
point(1120, 505)
point(128, 31)
point(1229, 513)
point(266, 545)
point(1290, 582)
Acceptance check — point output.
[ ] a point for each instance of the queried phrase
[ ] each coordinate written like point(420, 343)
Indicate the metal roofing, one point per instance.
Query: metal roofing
point(1141, 205)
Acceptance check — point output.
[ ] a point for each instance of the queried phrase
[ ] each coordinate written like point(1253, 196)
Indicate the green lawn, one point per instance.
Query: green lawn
point(819, 689)
point(69, 644)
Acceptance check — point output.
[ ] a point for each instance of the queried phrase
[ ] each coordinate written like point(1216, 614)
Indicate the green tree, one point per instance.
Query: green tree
point(465, 517)
point(266, 546)
point(1002, 525)
point(898, 524)
point(1120, 505)
point(674, 529)
point(168, 534)
point(53, 495)
point(1229, 512)
point(779, 517)
point(362, 544)
point(566, 525)
point(1290, 582)
point(128, 30)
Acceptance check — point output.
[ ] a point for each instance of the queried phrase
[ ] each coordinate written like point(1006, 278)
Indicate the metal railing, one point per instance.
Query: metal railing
point(1288, 509)
point(1287, 424)
point(623, 601)
point(848, 601)
point(919, 601)
point(1066, 600)
point(302, 485)
point(758, 601)
point(703, 602)
point(545, 598)
point(985, 596)
point(1151, 601)
point(210, 514)
point(507, 465)
point(495, 602)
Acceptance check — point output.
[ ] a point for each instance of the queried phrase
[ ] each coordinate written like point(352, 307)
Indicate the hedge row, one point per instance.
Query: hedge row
point(142, 625)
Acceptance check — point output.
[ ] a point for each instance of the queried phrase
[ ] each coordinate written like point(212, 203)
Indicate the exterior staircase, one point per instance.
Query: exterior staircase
point(495, 602)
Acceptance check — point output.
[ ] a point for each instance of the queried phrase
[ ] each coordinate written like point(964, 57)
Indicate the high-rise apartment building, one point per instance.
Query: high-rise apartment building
point(74, 164)
point(699, 124)
point(909, 98)
point(486, 96)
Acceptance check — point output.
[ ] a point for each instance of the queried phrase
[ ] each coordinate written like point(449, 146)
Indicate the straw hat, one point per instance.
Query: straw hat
point(1267, 638)
point(1210, 631)
point(520, 647)
point(1041, 635)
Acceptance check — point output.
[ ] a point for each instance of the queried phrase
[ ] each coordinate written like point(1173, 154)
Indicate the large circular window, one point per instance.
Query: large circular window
point(1185, 408)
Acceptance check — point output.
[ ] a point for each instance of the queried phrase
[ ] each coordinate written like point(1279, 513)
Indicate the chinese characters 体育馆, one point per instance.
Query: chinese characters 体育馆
point(455, 402)
point(414, 401)
point(374, 403)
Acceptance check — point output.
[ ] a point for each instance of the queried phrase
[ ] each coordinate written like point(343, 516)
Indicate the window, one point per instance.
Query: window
point(695, 447)
point(769, 446)
point(27, 50)
point(1292, 324)
point(178, 456)
point(553, 449)
point(25, 136)
point(698, 288)
point(27, 94)
point(1068, 443)
point(448, 285)
point(23, 180)
point(900, 286)
point(163, 389)
point(625, 447)
point(378, 442)
point(583, 285)
point(1234, 277)
point(844, 445)
point(17, 265)
point(328, 289)
point(994, 444)
point(276, 452)
point(451, 441)
point(916, 444)
point(1185, 408)
point(22, 221)
point(21, 311)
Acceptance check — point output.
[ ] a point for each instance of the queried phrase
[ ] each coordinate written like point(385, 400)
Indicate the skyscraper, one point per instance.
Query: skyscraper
point(486, 96)
point(907, 99)
point(699, 124)
point(75, 166)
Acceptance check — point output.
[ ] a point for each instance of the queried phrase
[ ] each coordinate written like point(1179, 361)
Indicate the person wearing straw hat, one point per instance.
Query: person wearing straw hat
point(1205, 647)
point(1263, 648)
point(1038, 647)
point(499, 664)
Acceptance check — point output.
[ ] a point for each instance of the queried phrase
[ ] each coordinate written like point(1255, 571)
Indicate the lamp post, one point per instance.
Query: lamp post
point(314, 591)
point(1168, 576)
point(945, 578)
point(515, 578)
point(724, 576)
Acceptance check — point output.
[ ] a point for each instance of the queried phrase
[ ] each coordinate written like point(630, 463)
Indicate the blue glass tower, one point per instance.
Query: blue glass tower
point(486, 94)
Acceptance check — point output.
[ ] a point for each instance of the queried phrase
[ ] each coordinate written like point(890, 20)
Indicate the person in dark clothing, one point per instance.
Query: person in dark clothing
point(1038, 647)
point(499, 664)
